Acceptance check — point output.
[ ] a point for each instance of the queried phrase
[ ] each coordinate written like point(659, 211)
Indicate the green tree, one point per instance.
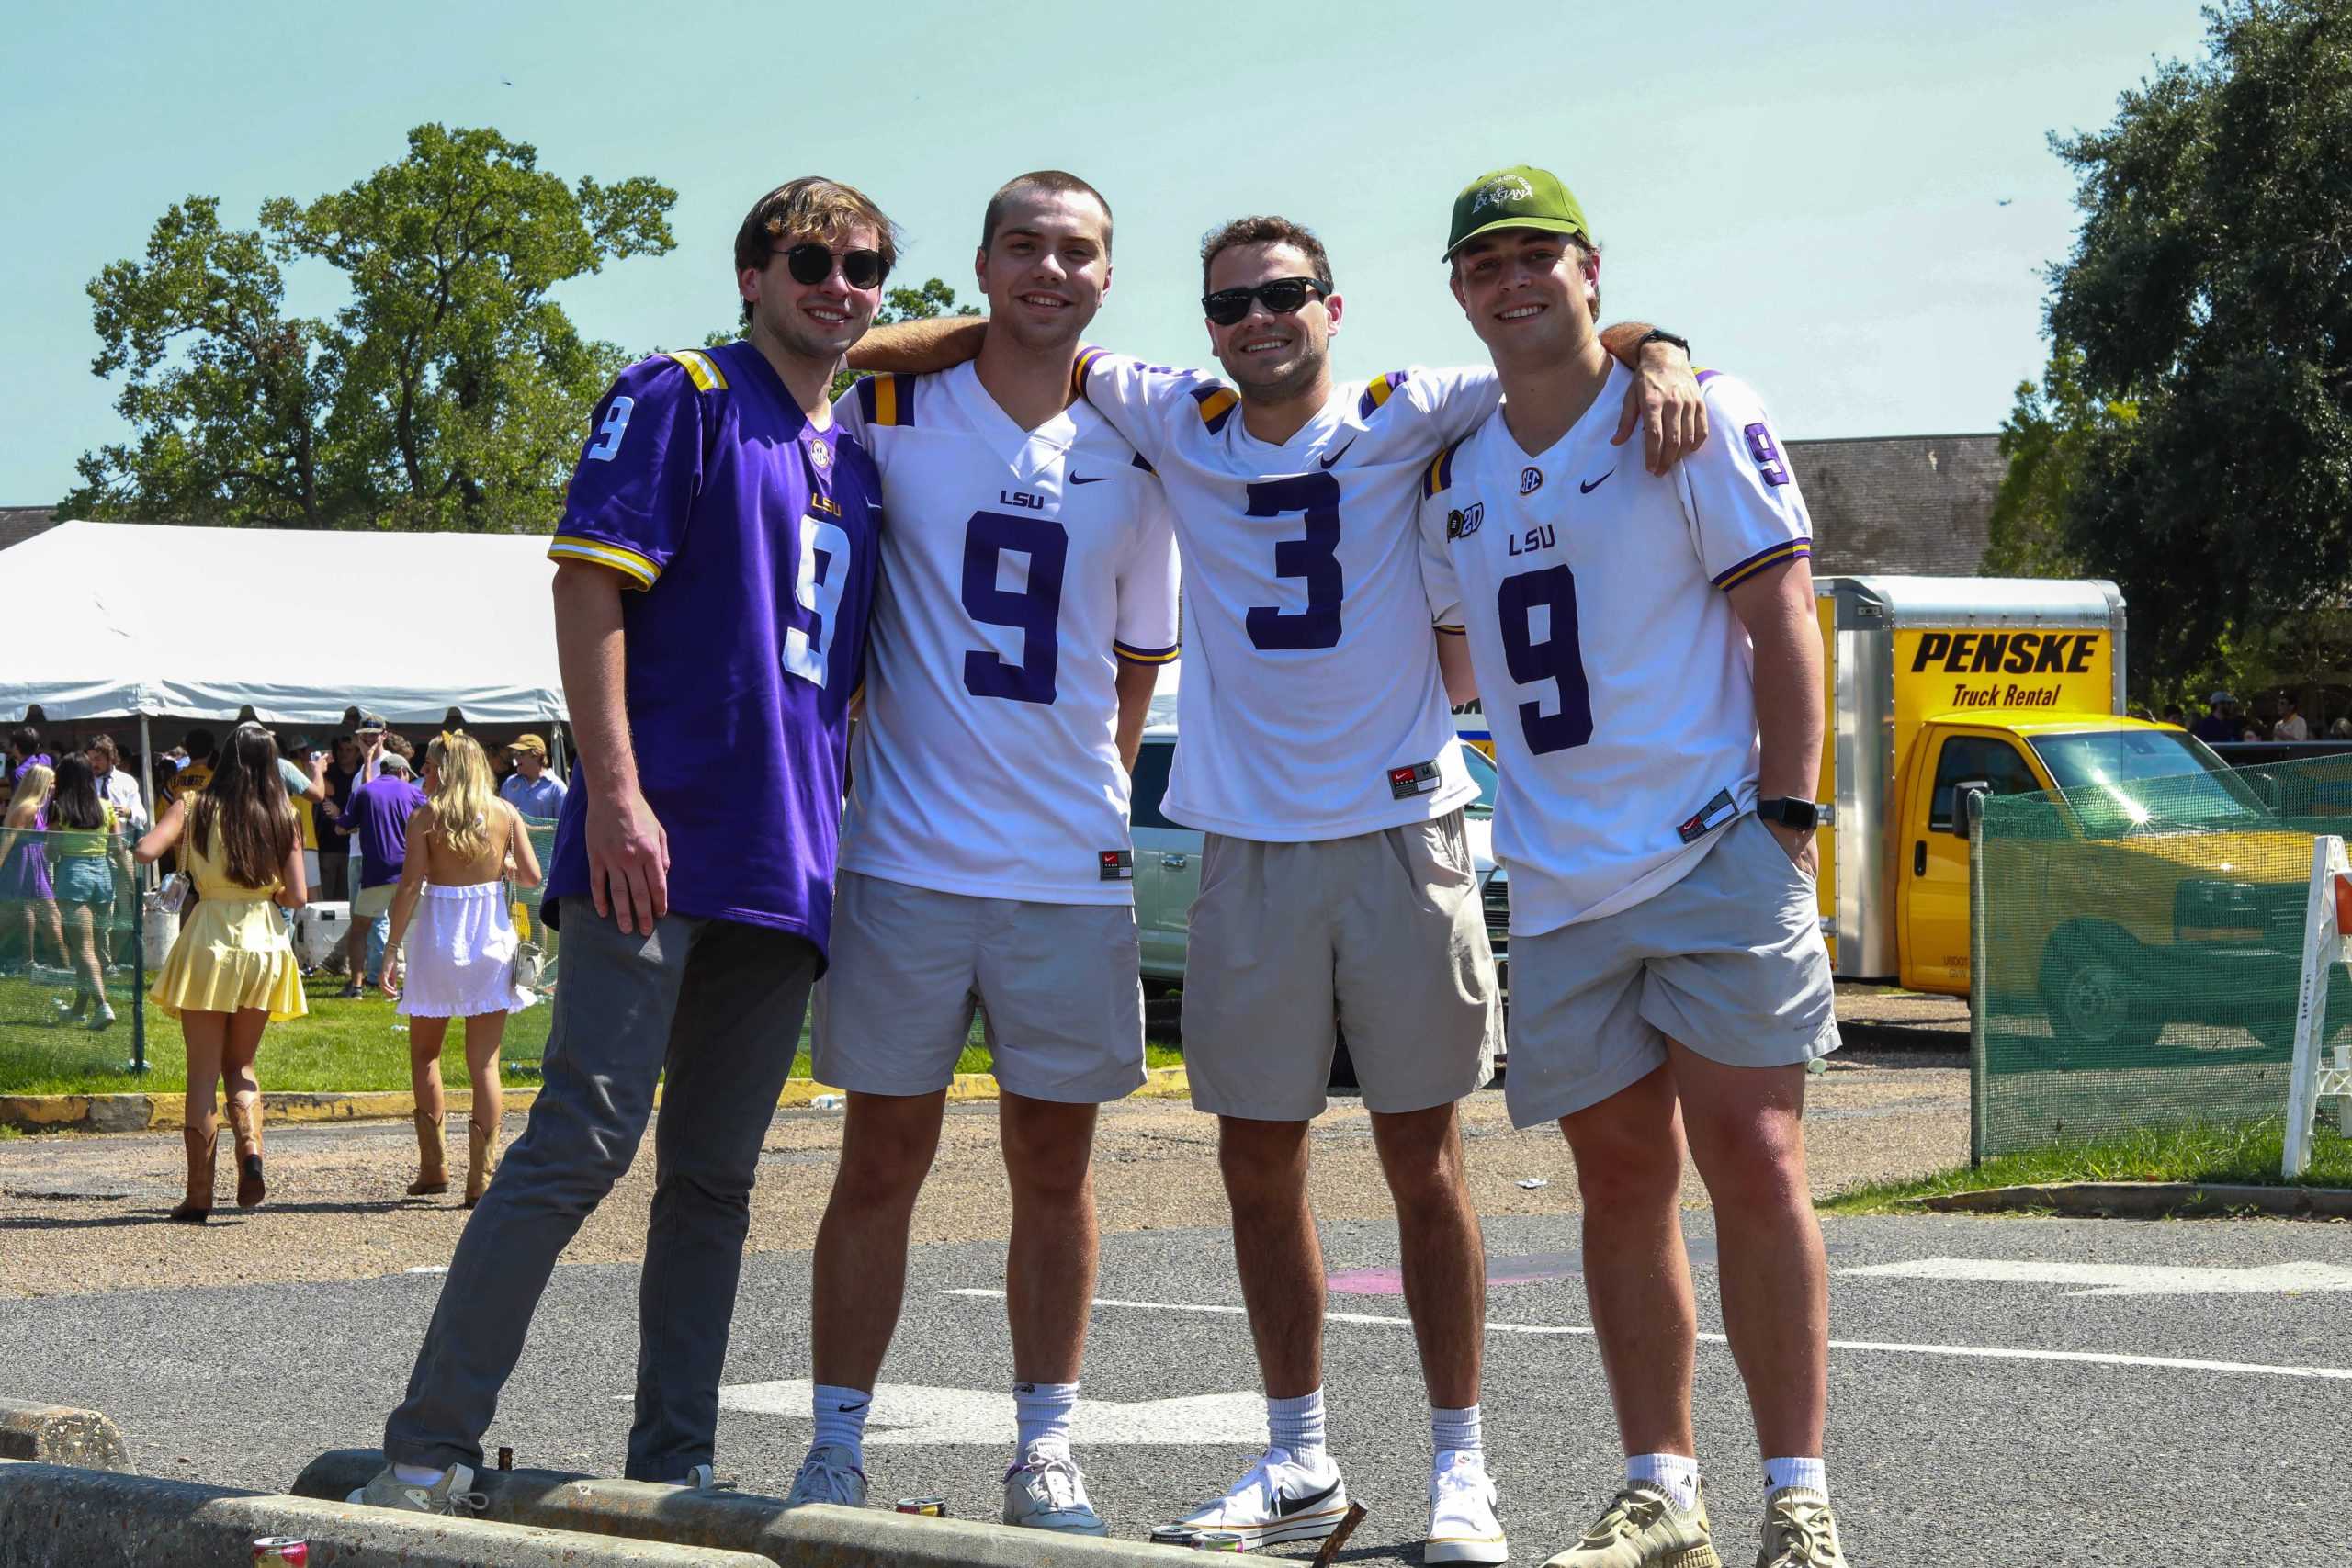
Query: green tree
point(2046, 440)
point(449, 392)
point(2209, 289)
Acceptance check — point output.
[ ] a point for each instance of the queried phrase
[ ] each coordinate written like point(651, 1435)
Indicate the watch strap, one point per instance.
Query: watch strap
point(1658, 335)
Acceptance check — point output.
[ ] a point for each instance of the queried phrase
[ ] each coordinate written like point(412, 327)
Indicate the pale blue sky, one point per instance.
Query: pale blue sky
point(1808, 191)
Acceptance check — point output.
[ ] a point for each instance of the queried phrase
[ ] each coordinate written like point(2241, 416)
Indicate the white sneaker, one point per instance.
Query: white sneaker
point(1462, 1526)
point(703, 1478)
point(449, 1495)
point(1045, 1492)
point(1282, 1498)
point(102, 1019)
point(830, 1474)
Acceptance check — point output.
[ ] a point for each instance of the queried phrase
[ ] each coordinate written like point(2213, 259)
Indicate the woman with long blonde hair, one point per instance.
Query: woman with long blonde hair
point(462, 844)
point(232, 971)
point(26, 890)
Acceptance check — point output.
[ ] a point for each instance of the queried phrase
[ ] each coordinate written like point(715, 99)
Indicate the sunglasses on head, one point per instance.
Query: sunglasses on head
point(1281, 297)
point(812, 264)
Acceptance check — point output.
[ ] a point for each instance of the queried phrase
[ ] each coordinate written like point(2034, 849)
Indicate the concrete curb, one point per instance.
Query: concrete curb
point(817, 1535)
point(53, 1517)
point(57, 1434)
point(165, 1112)
point(2145, 1199)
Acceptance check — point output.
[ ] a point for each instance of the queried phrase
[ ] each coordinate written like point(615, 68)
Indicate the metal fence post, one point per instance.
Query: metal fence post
point(138, 981)
point(1978, 951)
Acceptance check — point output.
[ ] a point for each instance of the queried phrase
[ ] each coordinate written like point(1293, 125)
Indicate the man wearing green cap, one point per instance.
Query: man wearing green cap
point(1666, 951)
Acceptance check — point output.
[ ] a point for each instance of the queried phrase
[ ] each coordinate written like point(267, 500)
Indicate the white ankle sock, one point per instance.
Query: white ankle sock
point(1296, 1424)
point(1044, 1410)
point(418, 1475)
point(1455, 1431)
point(1810, 1473)
point(1678, 1473)
point(841, 1418)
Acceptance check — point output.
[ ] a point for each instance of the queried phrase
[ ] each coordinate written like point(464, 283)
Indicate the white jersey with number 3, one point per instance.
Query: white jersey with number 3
point(1311, 707)
point(1018, 569)
point(1618, 681)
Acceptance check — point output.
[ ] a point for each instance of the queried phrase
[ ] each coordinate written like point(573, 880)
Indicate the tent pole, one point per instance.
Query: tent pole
point(147, 771)
point(555, 744)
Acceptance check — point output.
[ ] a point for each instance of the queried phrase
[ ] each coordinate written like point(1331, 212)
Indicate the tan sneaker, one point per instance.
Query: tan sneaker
point(1645, 1528)
point(1800, 1531)
point(446, 1496)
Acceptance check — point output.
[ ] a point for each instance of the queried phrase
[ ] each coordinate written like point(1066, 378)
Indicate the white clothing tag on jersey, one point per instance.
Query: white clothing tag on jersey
point(1413, 779)
point(1712, 816)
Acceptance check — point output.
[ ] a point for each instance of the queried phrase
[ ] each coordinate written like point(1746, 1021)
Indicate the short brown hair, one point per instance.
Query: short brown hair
point(104, 746)
point(1266, 230)
point(810, 208)
point(398, 745)
point(1052, 180)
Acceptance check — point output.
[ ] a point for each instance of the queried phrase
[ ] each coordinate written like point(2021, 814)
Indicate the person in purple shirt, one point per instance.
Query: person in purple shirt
point(714, 568)
point(377, 815)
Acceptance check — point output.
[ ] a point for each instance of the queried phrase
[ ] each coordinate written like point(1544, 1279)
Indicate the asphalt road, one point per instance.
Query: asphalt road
point(1940, 1454)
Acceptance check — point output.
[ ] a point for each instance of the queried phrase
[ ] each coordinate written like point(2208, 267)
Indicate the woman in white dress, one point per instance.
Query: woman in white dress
point(463, 842)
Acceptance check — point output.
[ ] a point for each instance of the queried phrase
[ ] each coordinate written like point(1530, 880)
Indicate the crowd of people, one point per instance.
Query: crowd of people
point(2224, 721)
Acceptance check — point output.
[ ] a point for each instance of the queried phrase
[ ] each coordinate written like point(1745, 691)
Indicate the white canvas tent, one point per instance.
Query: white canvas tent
point(115, 619)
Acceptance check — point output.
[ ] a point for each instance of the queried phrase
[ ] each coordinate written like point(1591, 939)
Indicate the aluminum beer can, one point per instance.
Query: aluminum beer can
point(290, 1549)
point(1220, 1541)
point(933, 1508)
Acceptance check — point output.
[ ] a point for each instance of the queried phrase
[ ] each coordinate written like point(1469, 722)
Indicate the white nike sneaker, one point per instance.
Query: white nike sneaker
point(1462, 1526)
point(1045, 1492)
point(830, 1474)
point(1283, 1499)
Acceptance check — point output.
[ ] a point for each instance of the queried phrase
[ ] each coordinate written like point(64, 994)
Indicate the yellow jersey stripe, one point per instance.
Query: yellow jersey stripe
point(1758, 563)
point(1145, 655)
point(707, 377)
point(627, 562)
point(886, 400)
point(1217, 403)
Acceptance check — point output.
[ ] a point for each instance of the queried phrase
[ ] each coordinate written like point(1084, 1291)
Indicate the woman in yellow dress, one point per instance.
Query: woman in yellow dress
point(232, 971)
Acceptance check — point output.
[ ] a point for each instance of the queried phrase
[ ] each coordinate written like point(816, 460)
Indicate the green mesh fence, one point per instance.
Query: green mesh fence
point(70, 966)
point(2139, 948)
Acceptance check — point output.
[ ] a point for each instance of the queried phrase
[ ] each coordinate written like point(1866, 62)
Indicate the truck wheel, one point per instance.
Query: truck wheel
point(2089, 996)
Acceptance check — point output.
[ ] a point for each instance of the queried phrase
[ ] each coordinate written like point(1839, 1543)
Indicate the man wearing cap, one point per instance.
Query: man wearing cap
point(1336, 886)
point(2222, 723)
point(530, 788)
point(1666, 960)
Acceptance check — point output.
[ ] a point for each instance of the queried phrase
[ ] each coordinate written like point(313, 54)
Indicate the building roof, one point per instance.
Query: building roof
point(19, 523)
point(1900, 503)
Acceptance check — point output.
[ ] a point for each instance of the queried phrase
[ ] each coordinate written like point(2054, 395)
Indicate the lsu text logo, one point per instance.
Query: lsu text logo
point(2008, 653)
point(1462, 523)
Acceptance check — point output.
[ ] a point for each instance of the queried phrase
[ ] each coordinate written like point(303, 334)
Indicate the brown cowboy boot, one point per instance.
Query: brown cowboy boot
point(481, 1153)
point(244, 1116)
point(432, 1156)
point(203, 1144)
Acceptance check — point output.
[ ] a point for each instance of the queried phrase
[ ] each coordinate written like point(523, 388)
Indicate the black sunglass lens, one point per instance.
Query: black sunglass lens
point(862, 269)
point(809, 264)
point(1226, 307)
point(1283, 295)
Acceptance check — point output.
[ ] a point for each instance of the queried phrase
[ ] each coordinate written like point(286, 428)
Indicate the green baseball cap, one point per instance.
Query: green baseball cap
point(1517, 198)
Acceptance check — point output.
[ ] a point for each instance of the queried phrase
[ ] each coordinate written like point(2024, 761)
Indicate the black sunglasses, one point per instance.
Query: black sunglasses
point(812, 264)
point(1283, 296)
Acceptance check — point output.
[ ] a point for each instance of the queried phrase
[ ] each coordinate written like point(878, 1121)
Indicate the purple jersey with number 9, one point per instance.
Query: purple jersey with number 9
point(751, 537)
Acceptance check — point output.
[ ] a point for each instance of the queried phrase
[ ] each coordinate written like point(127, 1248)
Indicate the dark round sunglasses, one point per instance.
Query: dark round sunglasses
point(1281, 297)
point(812, 264)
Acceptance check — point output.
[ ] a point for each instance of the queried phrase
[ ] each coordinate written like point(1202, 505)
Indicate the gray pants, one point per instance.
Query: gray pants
point(717, 1005)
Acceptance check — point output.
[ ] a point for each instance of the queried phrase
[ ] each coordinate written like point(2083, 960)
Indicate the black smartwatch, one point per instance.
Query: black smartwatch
point(1654, 336)
point(1787, 811)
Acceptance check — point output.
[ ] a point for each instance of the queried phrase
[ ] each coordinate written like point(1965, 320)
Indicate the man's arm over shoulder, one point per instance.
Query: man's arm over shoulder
point(1441, 584)
point(1664, 399)
point(920, 348)
point(1149, 404)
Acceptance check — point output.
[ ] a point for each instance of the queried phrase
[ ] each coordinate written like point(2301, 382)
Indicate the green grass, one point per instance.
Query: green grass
point(2244, 1152)
point(341, 1046)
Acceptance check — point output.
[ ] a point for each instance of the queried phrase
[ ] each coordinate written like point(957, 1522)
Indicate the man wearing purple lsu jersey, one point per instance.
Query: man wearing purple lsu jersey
point(715, 566)
point(1666, 956)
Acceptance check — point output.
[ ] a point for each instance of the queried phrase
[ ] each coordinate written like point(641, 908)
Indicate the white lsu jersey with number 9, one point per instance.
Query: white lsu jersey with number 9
point(1019, 569)
point(1619, 682)
point(1312, 706)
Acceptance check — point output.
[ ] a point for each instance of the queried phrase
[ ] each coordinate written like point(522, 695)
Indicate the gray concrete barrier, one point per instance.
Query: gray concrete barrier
point(57, 1434)
point(53, 1517)
point(816, 1536)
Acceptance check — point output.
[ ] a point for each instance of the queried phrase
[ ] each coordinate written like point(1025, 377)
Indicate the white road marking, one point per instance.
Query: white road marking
point(908, 1413)
point(2122, 1279)
point(1984, 1352)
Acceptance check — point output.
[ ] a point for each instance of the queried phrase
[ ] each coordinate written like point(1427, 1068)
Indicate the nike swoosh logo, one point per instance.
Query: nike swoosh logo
point(1098, 479)
point(845, 1409)
point(1285, 1506)
point(1339, 454)
point(1588, 488)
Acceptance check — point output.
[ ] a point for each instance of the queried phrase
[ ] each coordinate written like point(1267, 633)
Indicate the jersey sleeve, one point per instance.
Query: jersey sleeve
point(1452, 403)
point(1438, 578)
point(1738, 491)
point(1147, 404)
point(634, 490)
point(1147, 632)
point(849, 413)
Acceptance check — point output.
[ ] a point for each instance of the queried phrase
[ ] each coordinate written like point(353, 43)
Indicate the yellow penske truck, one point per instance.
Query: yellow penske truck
point(1944, 690)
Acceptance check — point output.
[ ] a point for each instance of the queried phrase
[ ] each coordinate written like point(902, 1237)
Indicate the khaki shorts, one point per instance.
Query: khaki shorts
point(1380, 936)
point(1059, 986)
point(1728, 961)
point(369, 902)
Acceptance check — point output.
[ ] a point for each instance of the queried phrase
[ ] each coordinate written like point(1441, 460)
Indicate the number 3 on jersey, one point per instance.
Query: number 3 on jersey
point(823, 574)
point(1316, 558)
point(1553, 657)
